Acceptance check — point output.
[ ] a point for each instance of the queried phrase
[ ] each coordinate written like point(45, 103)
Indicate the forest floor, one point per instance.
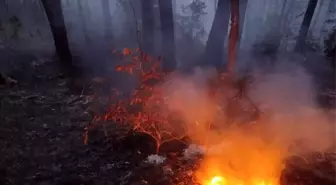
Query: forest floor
point(42, 125)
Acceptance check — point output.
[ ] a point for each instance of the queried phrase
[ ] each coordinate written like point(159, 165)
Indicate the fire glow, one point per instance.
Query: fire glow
point(219, 180)
point(243, 159)
point(245, 154)
point(246, 160)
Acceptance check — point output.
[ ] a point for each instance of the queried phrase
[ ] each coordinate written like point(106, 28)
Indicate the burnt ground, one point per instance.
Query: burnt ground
point(42, 124)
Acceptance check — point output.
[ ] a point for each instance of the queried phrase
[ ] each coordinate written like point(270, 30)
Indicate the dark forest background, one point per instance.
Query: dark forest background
point(182, 31)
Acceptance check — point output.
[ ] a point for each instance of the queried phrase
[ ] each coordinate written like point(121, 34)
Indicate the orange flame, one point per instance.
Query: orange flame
point(244, 161)
point(220, 180)
point(217, 180)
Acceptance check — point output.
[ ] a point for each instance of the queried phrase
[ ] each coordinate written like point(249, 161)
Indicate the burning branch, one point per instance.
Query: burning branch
point(142, 112)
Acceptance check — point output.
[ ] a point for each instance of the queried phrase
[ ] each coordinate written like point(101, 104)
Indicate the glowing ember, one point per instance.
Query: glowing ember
point(244, 159)
point(217, 180)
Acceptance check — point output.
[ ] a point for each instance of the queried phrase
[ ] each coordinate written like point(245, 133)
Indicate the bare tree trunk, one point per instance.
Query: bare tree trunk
point(3, 10)
point(233, 37)
point(300, 43)
point(281, 29)
point(215, 45)
point(4, 16)
point(53, 9)
point(148, 26)
point(168, 35)
point(242, 11)
point(82, 18)
point(107, 20)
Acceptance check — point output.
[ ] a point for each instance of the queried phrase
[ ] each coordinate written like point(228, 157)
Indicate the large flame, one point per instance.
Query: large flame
point(220, 180)
point(217, 180)
point(242, 159)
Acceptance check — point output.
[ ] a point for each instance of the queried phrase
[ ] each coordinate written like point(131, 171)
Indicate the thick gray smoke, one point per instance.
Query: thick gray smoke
point(292, 123)
point(287, 97)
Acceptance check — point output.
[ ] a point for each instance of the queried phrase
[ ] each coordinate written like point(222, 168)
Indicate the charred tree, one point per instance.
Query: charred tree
point(53, 10)
point(168, 36)
point(215, 45)
point(148, 26)
point(107, 20)
point(233, 108)
point(300, 43)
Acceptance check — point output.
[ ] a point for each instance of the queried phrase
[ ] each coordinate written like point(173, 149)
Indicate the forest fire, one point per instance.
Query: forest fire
point(243, 160)
point(216, 180)
point(219, 180)
point(196, 92)
point(237, 154)
point(233, 180)
point(247, 161)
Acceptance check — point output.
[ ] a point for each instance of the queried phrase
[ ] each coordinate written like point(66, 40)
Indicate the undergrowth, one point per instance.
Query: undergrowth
point(146, 112)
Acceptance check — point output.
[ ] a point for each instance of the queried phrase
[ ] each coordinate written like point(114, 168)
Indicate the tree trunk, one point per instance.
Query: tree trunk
point(215, 45)
point(82, 19)
point(279, 33)
point(53, 9)
point(3, 10)
point(168, 36)
point(107, 20)
point(300, 43)
point(148, 26)
point(233, 37)
point(242, 11)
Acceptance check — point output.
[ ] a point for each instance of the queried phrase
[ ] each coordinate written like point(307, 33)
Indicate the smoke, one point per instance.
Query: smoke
point(286, 96)
point(292, 122)
point(188, 95)
point(289, 95)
